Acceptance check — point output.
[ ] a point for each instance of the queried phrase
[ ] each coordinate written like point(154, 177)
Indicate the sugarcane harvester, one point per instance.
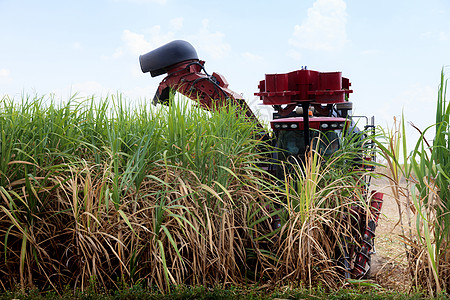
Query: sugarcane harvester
point(306, 103)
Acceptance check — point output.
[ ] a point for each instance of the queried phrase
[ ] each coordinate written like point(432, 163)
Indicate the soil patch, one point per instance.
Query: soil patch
point(389, 264)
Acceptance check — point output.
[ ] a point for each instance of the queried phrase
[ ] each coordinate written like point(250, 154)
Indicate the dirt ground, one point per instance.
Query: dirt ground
point(389, 264)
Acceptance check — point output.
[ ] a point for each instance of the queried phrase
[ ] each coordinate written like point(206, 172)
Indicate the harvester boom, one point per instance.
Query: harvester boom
point(187, 75)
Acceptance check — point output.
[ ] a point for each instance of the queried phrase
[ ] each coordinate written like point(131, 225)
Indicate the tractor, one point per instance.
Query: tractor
point(311, 110)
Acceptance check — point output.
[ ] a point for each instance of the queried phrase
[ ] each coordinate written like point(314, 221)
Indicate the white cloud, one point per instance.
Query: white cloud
point(135, 42)
point(370, 52)
point(444, 36)
point(89, 88)
point(82, 89)
point(77, 46)
point(441, 36)
point(146, 92)
point(154, 37)
point(324, 27)
point(419, 106)
point(294, 55)
point(418, 96)
point(117, 53)
point(4, 76)
point(426, 35)
point(213, 43)
point(417, 102)
point(205, 40)
point(4, 73)
point(252, 57)
point(158, 38)
point(176, 23)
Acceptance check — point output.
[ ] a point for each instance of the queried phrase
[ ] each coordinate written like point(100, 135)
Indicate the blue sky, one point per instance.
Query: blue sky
point(392, 51)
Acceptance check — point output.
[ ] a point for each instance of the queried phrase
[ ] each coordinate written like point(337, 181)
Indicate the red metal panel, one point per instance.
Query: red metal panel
point(330, 81)
point(210, 92)
point(303, 86)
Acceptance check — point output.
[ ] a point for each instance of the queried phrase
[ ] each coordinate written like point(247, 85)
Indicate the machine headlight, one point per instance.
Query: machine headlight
point(294, 126)
point(334, 125)
point(324, 125)
point(277, 126)
point(284, 126)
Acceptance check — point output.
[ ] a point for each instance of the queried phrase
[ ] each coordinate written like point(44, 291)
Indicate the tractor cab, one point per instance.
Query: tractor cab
point(325, 135)
point(312, 112)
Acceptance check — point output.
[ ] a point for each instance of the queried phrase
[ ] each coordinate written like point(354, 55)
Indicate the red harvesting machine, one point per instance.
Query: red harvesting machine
point(311, 110)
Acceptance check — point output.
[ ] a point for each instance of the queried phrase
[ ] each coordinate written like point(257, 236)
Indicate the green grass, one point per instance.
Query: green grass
point(426, 222)
point(117, 201)
point(96, 195)
point(201, 292)
point(91, 188)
